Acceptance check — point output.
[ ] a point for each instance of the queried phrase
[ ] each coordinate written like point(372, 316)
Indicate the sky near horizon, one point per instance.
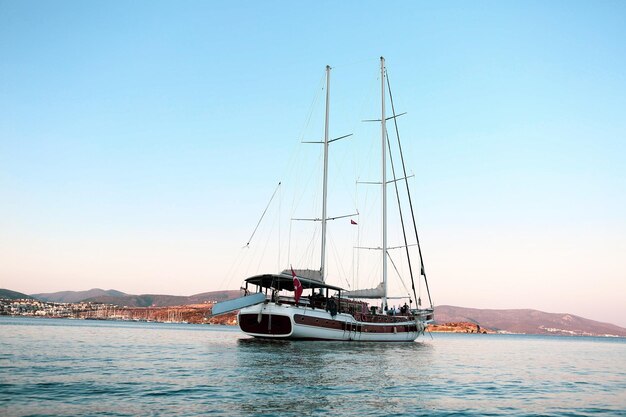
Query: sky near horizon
point(140, 141)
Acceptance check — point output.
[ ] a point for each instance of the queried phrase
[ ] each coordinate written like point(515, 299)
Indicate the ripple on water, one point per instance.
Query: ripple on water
point(101, 368)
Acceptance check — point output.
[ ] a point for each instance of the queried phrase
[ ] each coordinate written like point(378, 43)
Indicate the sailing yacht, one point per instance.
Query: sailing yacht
point(299, 303)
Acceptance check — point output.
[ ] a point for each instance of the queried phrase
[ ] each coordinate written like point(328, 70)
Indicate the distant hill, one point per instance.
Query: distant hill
point(13, 295)
point(161, 300)
point(214, 296)
point(76, 296)
point(119, 298)
point(527, 321)
point(143, 300)
point(514, 321)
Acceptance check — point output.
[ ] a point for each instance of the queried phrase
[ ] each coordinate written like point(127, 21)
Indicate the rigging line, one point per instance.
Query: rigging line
point(398, 272)
point(355, 272)
point(269, 236)
point(289, 244)
point(230, 274)
point(262, 215)
point(308, 251)
point(227, 277)
point(339, 260)
point(363, 155)
point(298, 197)
point(419, 248)
point(406, 243)
point(353, 269)
point(250, 259)
point(257, 255)
point(318, 90)
point(295, 155)
point(338, 165)
point(280, 204)
point(357, 127)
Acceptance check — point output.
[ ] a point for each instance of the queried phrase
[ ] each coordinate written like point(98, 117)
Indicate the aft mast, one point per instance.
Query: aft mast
point(384, 179)
point(325, 185)
point(326, 142)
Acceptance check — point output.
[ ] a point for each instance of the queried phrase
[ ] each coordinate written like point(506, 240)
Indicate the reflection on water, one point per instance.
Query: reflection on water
point(307, 377)
point(65, 367)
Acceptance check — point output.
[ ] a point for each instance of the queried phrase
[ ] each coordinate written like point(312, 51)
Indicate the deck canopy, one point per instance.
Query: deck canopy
point(285, 282)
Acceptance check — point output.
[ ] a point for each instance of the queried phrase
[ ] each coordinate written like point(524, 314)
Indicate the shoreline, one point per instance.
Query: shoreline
point(230, 320)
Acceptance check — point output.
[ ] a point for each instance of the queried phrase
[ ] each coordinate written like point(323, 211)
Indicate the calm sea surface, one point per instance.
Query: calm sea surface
point(73, 367)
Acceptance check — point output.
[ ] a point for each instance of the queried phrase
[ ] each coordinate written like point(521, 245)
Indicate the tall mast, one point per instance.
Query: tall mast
point(384, 178)
point(325, 186)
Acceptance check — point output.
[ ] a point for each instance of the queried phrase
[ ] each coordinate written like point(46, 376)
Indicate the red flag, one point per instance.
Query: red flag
point(352, 221)
point(297, 286)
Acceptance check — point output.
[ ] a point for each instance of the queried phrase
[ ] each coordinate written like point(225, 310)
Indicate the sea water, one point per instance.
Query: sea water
point(76, 367)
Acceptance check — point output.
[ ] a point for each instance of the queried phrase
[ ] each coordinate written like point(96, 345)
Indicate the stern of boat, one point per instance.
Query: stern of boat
point(265, 320)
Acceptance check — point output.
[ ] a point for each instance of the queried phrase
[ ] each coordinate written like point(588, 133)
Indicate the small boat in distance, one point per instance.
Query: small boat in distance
point(299, 304)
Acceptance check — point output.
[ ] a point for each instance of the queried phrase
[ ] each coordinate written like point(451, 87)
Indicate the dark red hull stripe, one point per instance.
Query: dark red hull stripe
point(353, 327)
point(305, 339)
point(281, 325)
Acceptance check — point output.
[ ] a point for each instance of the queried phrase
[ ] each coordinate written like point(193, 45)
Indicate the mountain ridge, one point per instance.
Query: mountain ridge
point(527, 321)
point(13, 295)
point(97, 295)
point(76, 296)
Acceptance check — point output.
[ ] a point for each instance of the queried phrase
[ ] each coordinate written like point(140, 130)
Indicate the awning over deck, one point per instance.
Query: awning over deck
point(284, 281)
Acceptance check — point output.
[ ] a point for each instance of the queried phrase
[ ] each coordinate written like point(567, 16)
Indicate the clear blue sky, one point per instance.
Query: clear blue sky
point(139, 141)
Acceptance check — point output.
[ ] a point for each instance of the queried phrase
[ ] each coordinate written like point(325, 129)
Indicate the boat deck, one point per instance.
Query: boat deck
point(351, 307)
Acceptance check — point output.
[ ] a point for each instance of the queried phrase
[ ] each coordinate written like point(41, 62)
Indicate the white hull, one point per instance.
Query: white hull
point(284, 321)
